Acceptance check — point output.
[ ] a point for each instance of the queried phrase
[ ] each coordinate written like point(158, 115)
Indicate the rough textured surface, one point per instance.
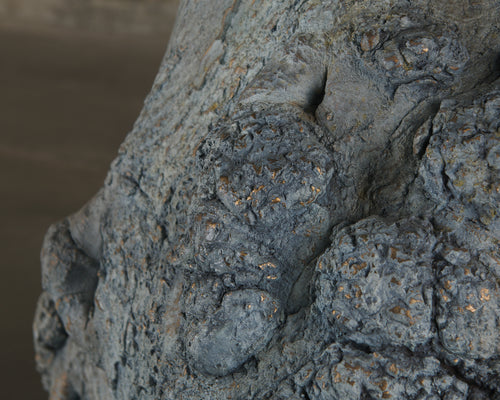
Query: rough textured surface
point(307, 207)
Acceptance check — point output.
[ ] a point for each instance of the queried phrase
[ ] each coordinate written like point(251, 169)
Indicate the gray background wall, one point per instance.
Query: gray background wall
point(139, 16)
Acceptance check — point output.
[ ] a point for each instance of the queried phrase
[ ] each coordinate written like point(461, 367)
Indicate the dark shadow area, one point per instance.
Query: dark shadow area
point(67, 101)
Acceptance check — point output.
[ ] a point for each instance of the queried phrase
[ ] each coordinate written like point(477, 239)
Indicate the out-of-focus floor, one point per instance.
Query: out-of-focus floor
point(67, 100)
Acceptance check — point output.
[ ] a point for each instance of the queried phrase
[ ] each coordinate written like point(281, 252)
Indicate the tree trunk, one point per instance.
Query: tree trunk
point(307, 207)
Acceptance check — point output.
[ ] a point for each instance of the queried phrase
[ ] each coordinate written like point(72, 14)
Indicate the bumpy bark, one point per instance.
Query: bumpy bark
point(307, 207)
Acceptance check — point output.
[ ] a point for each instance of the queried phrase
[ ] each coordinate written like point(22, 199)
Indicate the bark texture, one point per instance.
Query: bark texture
point(306, 208)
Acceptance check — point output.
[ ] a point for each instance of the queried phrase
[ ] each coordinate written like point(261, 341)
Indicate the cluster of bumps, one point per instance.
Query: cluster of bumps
point(410, 300)
point(340, 243)
point(417, 299)
point(409, 305)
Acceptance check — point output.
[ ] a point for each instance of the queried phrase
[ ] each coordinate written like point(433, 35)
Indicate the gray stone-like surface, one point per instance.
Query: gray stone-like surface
point(307, 207)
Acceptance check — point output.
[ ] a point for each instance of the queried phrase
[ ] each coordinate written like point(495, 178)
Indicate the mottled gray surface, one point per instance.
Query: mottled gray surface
point(307, 207)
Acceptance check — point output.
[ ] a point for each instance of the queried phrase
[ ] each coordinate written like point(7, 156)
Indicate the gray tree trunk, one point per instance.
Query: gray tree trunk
point(307, 207)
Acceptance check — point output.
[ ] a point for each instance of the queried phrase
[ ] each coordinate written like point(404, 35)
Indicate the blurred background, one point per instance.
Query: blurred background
point(73, 77)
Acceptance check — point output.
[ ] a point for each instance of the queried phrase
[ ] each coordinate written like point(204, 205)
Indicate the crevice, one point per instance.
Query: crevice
point(426, 140)
point(365, 394)
point(495, 70)
point(228, 18)
point(492, 76)
point(444, 176)
point(52, 339)
point(135, 184)
point(82, 278)
point(304, 395)
point(93, 261)
point(378, 197)
point(316, 95)
point(163, 233)
point(364, 348)
point(475, 386)
point(416, 116)
point(72, 395)
point(114, 381)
